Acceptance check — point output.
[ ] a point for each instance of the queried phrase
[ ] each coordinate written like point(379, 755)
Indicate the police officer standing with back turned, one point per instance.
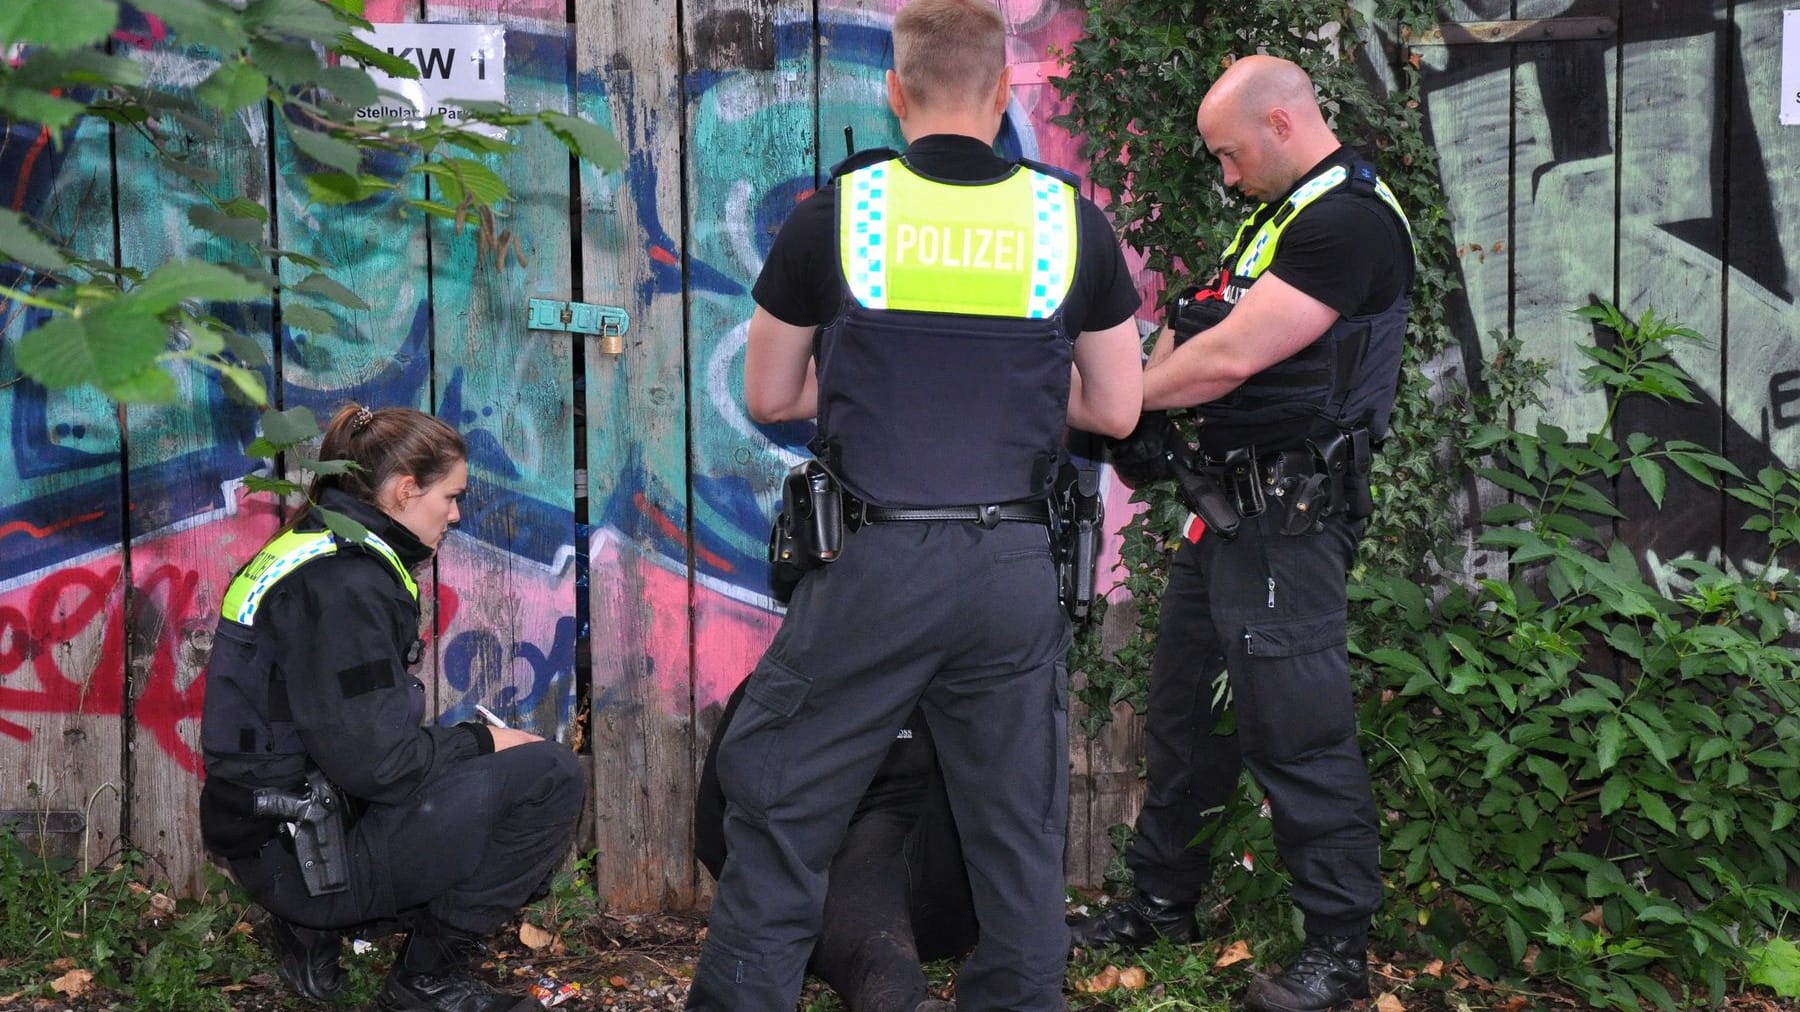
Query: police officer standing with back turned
point(927, 308)
point(1290, 389)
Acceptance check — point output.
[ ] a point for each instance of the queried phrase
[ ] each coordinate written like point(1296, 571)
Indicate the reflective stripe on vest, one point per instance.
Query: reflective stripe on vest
point(285, 554)
point(1260, 252)
point(999, 249)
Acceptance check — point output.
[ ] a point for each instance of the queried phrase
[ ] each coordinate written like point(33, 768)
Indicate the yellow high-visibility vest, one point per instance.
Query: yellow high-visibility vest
point(285, 554)
point(1005, 249)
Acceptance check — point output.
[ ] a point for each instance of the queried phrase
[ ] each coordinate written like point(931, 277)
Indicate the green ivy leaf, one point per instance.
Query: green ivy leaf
point(59, 25)
point(585, 139)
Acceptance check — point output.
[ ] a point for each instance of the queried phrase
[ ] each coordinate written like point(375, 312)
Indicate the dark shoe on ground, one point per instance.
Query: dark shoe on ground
point(1331, 972)
point(936, 1005)
point(1134, 923)
point(416, 991)
point(306, 959)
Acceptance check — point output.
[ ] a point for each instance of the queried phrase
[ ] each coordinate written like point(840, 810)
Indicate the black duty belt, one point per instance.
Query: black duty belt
point(860, 514)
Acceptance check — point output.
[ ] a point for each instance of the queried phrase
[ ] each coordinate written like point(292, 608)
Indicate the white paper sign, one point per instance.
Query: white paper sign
point(1790, 68)
point(456, 62)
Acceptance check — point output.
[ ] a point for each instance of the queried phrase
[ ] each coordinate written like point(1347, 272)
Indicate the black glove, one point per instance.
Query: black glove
point(1143, 456)
point(1194, 311)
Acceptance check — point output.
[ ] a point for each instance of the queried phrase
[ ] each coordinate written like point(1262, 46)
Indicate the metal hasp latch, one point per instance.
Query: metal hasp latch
point(609, 323)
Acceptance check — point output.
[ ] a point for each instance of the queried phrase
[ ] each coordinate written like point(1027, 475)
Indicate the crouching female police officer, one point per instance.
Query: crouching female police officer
point(329, 801)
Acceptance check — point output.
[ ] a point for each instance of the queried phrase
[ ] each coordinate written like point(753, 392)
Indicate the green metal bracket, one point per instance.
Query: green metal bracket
point(578, 317)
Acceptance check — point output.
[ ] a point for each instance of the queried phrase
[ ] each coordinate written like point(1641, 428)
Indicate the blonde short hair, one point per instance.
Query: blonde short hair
point(949, 53)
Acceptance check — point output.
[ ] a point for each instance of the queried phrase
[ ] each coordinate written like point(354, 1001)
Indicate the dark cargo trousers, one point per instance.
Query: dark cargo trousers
point(471, 848)
point(1269, 609)
point(963, 621)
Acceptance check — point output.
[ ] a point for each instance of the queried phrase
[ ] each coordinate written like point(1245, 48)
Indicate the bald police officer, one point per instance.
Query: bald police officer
point(1291, 390)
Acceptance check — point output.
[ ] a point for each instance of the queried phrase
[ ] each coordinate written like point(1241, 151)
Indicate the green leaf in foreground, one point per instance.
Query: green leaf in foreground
point(586, 140)
point(61, 25)
point(1776, 966)
point(289, 427)
point(20, 243)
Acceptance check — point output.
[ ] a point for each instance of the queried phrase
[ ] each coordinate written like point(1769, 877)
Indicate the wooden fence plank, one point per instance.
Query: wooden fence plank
point(187, 531)
point(1673, 161)
point(62, 521)
point(1562, 195)
point(509, 641)
point(633, 255)
point(1761, 389)
point(379, 356)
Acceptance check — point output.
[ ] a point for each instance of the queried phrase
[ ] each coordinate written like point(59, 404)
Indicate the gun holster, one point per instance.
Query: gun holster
point(1080, 516)
point(1201, 493)
point(1345, 458)
point(809, 529)
point(315, 821)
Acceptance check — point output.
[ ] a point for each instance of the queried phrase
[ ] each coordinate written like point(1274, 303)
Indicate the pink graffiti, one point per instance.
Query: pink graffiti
point(48, 663)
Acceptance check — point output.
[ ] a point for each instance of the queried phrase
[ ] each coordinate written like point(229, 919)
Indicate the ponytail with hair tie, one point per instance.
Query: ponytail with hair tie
point(363, 417)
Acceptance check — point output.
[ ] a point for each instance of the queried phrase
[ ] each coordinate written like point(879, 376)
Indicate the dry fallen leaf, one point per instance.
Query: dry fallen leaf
point(533, 936)
point(1132, 978)
point(1236, 952)
point(72, 983)
point(1105, 980)
point(1435, 968)
point(1389, 1003)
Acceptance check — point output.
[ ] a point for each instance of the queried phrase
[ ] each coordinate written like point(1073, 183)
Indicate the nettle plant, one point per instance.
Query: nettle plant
point(1584, 776)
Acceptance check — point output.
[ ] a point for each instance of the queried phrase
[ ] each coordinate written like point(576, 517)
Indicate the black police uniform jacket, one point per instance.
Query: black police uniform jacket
point(323, 676)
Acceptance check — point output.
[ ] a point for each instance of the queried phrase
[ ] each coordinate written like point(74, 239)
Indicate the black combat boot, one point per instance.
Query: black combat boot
point(1135, 923)
point(306, 959)
point(432, 974)
point(1331, 972)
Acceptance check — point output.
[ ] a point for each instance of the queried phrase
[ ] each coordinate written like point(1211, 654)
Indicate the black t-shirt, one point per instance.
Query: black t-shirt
point(1347, 250)
point(800, 283)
